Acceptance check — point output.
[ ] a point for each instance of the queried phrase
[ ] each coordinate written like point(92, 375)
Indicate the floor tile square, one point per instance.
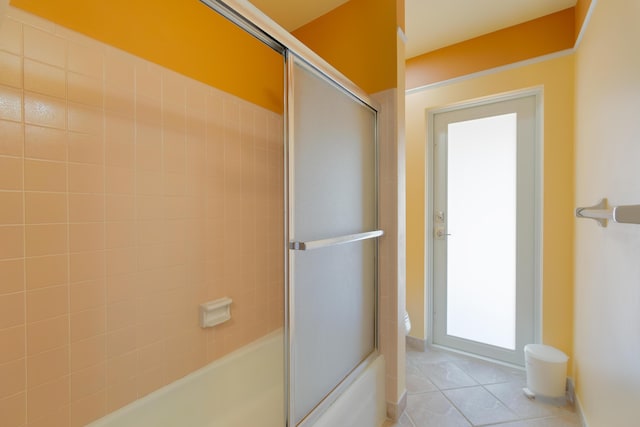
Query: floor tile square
point(446, 375)
point(479, 406)
point(434, 410)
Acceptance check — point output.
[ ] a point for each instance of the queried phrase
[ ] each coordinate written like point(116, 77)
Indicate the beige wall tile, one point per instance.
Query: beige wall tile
point(120, 394)
point(45, 207)
point(86, 178)
point(44, 79)
point(120, 234)
point(44, 47)
point(88, 408)
point(46, 271)
point(13, 376)
point(121, 341)
point(12, 344)
point(48, 302)
point(84, 89)
point(85, 119)
point(45, 143)
point(149, 183)
point(122, 287)
point(150, 208)
point(119, 70)
point(11, 138)
point(87, 59)
point(150, 380)
point(46, 239)
point(87, 324)
point(10, 70)
point(174, 147)
point(11, 105)
point(122, 368)
point(120, 207)
point(148, 80)
point(88, 381)
point(85, 266)
point(119, 137)
point(121, 261)
point(87, 295)
point(47, 366)
point(120, 180)
point(14, 408)
point(57, 417)
point(45, 110)
point(88, 352)
point(45, 176)
point(149, 149)
point(11, 173)
point(121, 314)
point(174, 184)
point(149, 334)
point(86, 207)
point(48, 398)
point(85, 148)
point(120, 101)
point(11, 211)
point(87, 236)
point(12, 310)
point(47, 335)
point(11, 39)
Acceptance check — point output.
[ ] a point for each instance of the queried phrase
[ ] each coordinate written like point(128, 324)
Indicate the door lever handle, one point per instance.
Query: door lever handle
point(440, 233)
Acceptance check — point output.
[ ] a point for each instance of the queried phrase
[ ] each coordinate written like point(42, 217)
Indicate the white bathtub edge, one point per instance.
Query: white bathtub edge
point(362, 404)
point(139, 405)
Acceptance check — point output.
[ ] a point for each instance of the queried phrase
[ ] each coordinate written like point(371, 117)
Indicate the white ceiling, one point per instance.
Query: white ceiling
point(292, 14)
point(430, 24)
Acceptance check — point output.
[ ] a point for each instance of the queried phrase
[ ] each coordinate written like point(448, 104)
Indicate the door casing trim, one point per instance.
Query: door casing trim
point(538, 93)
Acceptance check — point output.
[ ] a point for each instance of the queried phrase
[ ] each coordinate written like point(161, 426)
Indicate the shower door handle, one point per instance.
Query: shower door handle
point(333, 241)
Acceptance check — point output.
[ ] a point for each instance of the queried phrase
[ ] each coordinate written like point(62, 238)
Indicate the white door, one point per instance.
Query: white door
point(484, 228)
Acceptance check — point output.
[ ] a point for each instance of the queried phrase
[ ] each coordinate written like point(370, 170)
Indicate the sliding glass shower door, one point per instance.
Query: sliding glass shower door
point(332, 236)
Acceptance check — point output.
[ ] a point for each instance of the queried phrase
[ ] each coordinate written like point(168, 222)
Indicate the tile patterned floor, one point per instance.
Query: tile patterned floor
point(451, 390)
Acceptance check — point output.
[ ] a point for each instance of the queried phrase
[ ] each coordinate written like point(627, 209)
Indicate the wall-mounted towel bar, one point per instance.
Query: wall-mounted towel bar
point(629, 214)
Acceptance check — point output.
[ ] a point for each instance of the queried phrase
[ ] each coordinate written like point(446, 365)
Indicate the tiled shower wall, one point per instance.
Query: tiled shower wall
point(128, 196)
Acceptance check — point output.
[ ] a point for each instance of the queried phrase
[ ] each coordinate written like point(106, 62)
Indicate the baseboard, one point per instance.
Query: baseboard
point(571, 392)
point(416, 343)
point(395, 410)
point(573, 398)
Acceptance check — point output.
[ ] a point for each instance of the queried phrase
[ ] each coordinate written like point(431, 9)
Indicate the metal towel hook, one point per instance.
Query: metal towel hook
point(629, 214)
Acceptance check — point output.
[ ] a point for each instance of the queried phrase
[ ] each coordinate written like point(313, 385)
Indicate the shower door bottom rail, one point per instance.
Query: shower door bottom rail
point(334, 241)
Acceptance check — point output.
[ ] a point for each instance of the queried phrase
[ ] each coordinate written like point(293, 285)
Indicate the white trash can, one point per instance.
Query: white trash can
point(546, 371)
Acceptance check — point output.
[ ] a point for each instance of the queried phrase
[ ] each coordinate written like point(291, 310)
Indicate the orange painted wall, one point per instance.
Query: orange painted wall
point(184, 36)
point(359, 39)
point(549, 34)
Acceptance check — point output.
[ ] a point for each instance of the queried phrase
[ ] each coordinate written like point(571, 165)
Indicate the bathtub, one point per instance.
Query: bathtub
point(245, 388)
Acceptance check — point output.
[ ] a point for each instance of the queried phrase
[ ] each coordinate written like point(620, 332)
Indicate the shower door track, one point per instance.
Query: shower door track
point(253, 21)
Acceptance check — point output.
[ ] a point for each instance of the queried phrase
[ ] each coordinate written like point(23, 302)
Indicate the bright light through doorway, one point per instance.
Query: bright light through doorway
point(481, 204)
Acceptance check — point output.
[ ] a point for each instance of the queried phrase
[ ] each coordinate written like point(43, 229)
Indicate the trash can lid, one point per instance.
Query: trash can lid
point(545, 353)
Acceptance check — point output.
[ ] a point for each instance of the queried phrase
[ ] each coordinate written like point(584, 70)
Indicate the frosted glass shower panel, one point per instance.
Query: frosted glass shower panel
point(334, 160)
point(332, 194)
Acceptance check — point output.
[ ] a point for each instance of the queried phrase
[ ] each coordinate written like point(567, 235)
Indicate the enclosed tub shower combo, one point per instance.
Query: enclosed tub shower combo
point(322, 366)
point(180, 249)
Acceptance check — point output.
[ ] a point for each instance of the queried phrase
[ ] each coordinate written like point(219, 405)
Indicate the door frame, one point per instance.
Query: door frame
point(537, 93)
